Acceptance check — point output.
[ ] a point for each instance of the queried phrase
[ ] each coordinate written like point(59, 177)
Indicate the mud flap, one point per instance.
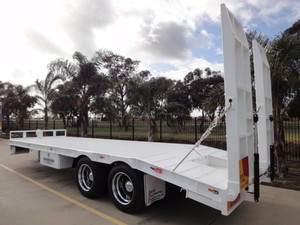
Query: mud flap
point(155, 189)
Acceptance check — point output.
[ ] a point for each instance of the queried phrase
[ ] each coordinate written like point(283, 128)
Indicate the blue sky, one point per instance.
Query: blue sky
point(169, 37)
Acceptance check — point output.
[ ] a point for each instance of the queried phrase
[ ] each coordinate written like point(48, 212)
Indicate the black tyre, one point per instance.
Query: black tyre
point(91, 178)
point(126, 188)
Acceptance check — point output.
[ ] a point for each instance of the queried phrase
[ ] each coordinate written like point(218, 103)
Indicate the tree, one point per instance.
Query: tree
point(8, 100)
point(23, 102)
point(294, 29)
point(215, 100)
point(16, 102)
point(2, 89)
point(284, 59)
point(119, 70)
point(148, 98)
point(178, 107)
point(86, 82)
point(64, 103)
point(294, 107)
point(199, 86)
point(46, 92)
point(283, 55)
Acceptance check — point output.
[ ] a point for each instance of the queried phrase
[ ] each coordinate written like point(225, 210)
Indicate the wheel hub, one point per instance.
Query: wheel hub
point(129, 186)
point(91, 176)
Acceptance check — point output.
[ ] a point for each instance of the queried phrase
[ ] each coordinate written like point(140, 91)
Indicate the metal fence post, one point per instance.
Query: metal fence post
point(53, 124)
point(36, 124)
point(133, 129)
point(110, 128)
point(297, 121)
point(93, 128)
point(77, 128)
point(160, 130)
point(196, 138)
point(0, 117)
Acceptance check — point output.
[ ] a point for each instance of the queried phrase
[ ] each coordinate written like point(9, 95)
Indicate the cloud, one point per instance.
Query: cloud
point(179, 70)
point(273, 12)
point(82, 18)
point(219, 51)
point(203, 40)
point(40, 42)
point(168, 34)
point(167, 40)
point(17, 74)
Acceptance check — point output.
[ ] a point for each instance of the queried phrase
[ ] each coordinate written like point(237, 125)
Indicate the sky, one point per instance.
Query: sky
point(168, 37)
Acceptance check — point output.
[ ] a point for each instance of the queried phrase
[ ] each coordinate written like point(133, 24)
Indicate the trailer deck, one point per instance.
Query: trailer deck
point(209, 168)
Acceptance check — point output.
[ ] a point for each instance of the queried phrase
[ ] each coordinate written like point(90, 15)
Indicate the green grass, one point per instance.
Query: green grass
point(186, 134)
point(102, 129)
point(292, 131)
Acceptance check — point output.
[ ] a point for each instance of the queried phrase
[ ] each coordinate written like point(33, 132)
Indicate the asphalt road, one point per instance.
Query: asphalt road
point(32, 194)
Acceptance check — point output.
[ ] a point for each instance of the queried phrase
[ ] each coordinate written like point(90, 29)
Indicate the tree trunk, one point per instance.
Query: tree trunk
point(7, 118)
point(150, 130)
point(64, 122)
point(125, 123)
point(84, 124)
point(84, 119)
point(46, 118)
point(279, 144)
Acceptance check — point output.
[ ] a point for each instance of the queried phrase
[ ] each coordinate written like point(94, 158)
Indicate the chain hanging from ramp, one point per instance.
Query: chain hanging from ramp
point(208, 131)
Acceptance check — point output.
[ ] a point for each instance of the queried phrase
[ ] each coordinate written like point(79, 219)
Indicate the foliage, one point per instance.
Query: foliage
point(199, 85)
point(284, 60)
point(87, 84)
point(148, 98)
point(46, 92)
point(16, 101)
point(64, 103)
point(178, 107)
point(294, 107)
point(119, 70)
point(215, 100)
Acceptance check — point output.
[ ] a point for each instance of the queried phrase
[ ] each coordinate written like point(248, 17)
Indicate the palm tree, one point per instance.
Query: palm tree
point(87, 84)
point(46, 93)
point(284, 59)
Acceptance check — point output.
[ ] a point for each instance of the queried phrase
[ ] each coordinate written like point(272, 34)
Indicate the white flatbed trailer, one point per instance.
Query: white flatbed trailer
point(136, 172)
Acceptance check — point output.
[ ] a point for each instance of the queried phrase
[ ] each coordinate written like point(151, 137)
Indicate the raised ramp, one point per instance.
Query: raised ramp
point(239, 118)
point(263, 105)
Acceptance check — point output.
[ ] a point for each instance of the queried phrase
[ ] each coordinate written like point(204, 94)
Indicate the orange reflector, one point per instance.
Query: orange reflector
point(213, 191)
point(157, 170)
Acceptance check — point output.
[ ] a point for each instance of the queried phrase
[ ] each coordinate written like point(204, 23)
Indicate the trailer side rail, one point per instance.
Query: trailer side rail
point(37, 133)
